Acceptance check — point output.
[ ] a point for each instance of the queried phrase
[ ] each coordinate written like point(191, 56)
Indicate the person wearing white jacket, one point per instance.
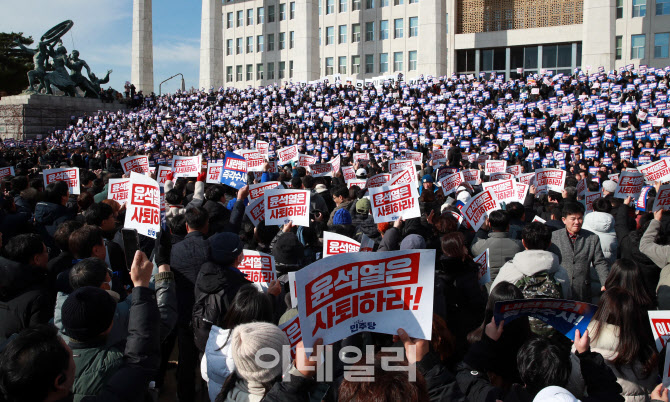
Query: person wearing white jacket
point(536, 238)
point(601, 222)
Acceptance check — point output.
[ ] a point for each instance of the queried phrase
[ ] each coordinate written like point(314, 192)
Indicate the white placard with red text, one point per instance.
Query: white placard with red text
point(662, 198)
point(398, 165)
point(514, 170)
point(292, 330)
point(392, 202)
point(526, 178)
point(589, 197)
point(262, 147)
point(257, 191)
point(378, 180)
point(321, 169)
point(521, 191)
point(348, 173)
point(213, 172)
point(282, 206)
point(143, 209)
point(401, 177)
point(491, 166)
point(138, 164)
point(500, 176)
point(417, 157)
point(68, 175)
point(255, 160)
point(186, 166)
point(118, 190)
point(287, 155)
point(255, 210)
point(451, 182)
point(471, 176)
point(162, 173)
point(629, 185)
point(503, 190)
point(305, 160)
point(478, 208)
point(483, 272)
point(550, 179)
point(356, 182)
point(334, 243)
point(7, 171)
point(656, 171)
point(660, 327)
point(259, 268)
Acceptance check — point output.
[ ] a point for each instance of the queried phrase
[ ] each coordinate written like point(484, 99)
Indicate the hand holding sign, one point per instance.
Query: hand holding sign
point(582, 343)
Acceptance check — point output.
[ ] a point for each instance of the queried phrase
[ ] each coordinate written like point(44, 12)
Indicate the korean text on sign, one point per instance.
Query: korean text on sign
point(138, 164)
point(392, 202)
point(186, 166)
point(118, 190)
point(259, 267)
point(282, 206)
point(334, 243)
point(477, 209)
point(68, 175)
point(143, 210)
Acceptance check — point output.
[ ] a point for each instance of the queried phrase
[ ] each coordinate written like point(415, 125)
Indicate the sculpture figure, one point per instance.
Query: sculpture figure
point(59, 77)
point(75, 64)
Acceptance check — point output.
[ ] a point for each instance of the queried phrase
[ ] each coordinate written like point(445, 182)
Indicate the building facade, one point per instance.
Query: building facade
point(260, 42)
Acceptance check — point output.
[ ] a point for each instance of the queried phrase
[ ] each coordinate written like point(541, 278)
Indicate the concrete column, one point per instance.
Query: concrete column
point(573, 64)
point(539, 58)
point(306, 52)
point(599, 30)
point(142, 63)
point(432, 38)
point(211, 45)
point(478, 55)
point(508, 62)
point(451, 37)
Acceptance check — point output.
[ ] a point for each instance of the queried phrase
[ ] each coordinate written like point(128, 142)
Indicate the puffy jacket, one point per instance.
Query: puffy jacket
point(501, 249)
point(531, 262)
point(602, 224)
point(49, 215)
point(198, 198)
point(217, 363)
point(25, 297)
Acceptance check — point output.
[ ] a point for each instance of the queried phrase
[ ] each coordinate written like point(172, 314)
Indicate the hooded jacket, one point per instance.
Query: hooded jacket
point(198, 199)
point(49, 215)
point(531, 262)
point(501, 249)
point(602, 224)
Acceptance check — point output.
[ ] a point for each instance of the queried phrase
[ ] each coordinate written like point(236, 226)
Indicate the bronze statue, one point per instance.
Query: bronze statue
point(75, 64)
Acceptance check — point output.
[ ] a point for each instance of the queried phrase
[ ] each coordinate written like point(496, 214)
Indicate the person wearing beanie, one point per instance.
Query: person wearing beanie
point(342, 201)
point(427, 184)
point(250, 380)
point(342, 217)
point(364, 222)
point(413, 242)
point(288, 252)
point(609, 187)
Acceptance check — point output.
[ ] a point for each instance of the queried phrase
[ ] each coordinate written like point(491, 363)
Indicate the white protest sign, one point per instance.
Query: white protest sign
point(477, 209)
point(417, 157)
point(68, 175)
point(521, 192)
point(255, 210)
point(306, 160)
point(186, 166)
point(255, 160)
point(334, 243)
point(257, 191)
point(213, 172)
point(392, 202)
point(118, 190)
point(550, 179)
point(282, 206)
point(483, 273)
point(471, 176)
point(321, 169)
point(162, 173)
point(500, 176)
point(491, 166)
point(356, 182)
point(348, 173)
point(629, 185)
point(526, 178)
point(656, 171)
point(538, 219)
point(355, 292)
point(367, 244)
point(451, 182)
point(662, 198)
point(335, 163)
point(395, 166)
point(259, 268)
point(502, 190)
point(7, 171)
point(143, 210)
point(378, 180)
point(138, 164)
point(287, 155)
point(514, 170)
point(262, 147)
point(402, 177)
point(589, 197)
point(292, 330)
point(660, 327)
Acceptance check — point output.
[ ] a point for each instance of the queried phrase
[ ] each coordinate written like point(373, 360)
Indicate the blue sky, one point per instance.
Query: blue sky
point(102, 33)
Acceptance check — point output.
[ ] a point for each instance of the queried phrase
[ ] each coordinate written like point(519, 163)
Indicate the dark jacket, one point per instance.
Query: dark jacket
point(26, 299)
point(48, 216)
point(390, 240)
point(365, 225)
point(218, 215)
point(186, 258)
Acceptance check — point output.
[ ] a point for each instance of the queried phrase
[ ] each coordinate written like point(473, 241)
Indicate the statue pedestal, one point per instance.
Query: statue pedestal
point(27, 116)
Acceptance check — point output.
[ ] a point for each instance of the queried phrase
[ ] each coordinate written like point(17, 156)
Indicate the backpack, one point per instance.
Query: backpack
point(206, 312)
point(542, 285)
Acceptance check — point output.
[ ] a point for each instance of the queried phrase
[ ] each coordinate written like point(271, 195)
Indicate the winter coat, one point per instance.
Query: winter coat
point(198, 198)
point(365, 225)
point(501, 249)
point(660, 255)
point(217, 362)
point(26, 299)
point(531, 262)
point(49, 215)
point(186, 258)
point(602, 224)
point(346, 205)
point(578, 259)
point(391, 240)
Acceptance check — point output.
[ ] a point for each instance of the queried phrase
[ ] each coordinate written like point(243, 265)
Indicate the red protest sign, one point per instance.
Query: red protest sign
point(334, 243)
point(476, 210)
point(259, 267)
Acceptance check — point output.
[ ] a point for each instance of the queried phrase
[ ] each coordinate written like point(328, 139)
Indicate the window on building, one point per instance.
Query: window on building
point(637, 46)
point(250, 16)
point(250, 44)
point(412, 56)
point(413, 1)
point(319, 1)
point(342, 65)
point(329, 66)
point(342, 34)
point(413, 26)
point(619, 47)
point(229, 21)
point(282, 11)
point(619, 9)
point(290, 69)
point(662, 7)
point(661, 42)
point(271, 18)
point(271, 71)
point(330, 6)
point(383, 62)
point(639, 8)
point(260, 43)
point(229, 47)
point(369, 4)
point(355, 33)
point(383, 3)
point(291, 10)
point(383, 29)
point(397, 61)
point(398, 2)
point(330, 35)
point(229, 74)
point(282, 70)
point(240, 18)
point(343, 6)
point(291, 39)
point(369, 31)
point(271, 43)
point(355, 5)
point(250, 72)
point(260, 15)
point(238, 49)
point(259, 71)
point(319, 36)
point(369, 63)
point(238, 73)
point(282, 41)
point(398, 24)
point(355, 64)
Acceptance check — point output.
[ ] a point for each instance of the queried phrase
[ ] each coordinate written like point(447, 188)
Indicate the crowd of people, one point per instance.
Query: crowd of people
point(80, 321)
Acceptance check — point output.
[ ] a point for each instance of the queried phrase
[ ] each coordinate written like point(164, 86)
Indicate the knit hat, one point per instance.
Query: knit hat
point(342, 217)
point(87, 313)
point(225, 247)
point(427, 179)
point(321, 188)
point(288, 249)
point(413, 242)
point(609, 186)
point(248, 340)
point(363, 206)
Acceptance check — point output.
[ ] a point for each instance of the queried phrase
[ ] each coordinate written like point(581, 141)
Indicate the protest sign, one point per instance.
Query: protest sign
point(500, 176)
point(234, 171)
point(521, 192)
point(392, 202)
point(402, 177)
point(292, 330)
point(334, 243)
point(256, 191)
point(662, 198)
point(641, 204)
point(514, 170)
point(282, 206)
point(367, 244)
point(483, 273)
point(589, 197)
point(361, 156)
point(356, 182)
point(398, 165)
point(348, 173)
point(550, 179)
point(118, 190)
point(378, 180)
point(321, 169)
point(565, 316)
point(526, 178)
point(335, 163)
point(417, 157)
point(7, 171)
point(255, 210)
point(629, 185)
point(68, 175)
point(477, 209)
point(287, 155)
point(502, 190)
point(259, 268)
point(255, 160)
point(660, 327)
point(138, 164)
point(306, 160)
point(162, 174)
point(262, 147)
point(186, 166)
point(213, 172)
point(491, 166)
point(451, 182)
point(471, 176)
point(656, 171)
point(379, 292)
point(143, 211)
